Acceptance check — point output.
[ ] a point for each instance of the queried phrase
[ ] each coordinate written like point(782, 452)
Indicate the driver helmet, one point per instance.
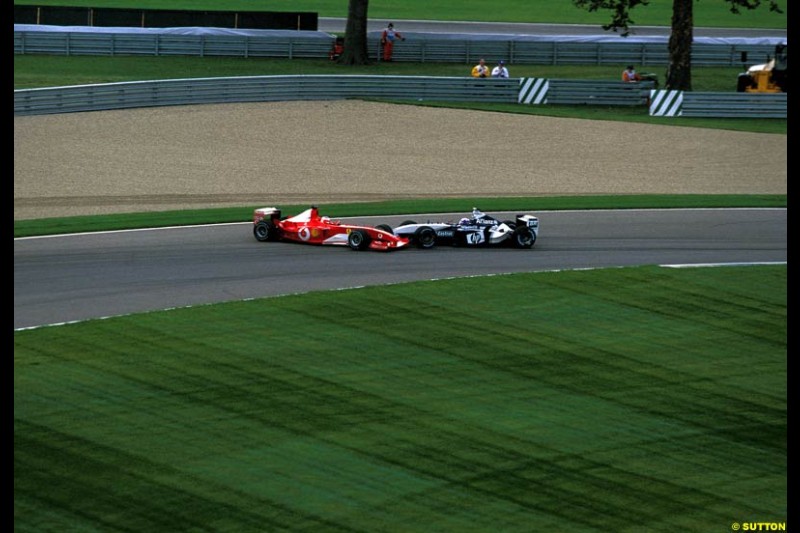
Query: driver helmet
point(463, 222)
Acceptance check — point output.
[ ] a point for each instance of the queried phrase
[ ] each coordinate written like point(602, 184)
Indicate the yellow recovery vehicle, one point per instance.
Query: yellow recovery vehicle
point(770, 77)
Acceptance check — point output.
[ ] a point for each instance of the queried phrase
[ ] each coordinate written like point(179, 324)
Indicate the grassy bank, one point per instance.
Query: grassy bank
point(576, 401)
point(31, 71)
point(78, 224)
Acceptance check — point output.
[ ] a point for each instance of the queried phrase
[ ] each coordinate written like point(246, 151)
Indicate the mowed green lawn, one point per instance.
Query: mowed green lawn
point(634, 399)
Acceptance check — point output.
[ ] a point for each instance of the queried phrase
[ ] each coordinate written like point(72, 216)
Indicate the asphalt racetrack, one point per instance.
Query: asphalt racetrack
point(77, 277)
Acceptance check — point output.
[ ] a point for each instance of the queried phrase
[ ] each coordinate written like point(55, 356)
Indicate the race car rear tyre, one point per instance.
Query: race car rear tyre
point(385, 227)
point(425, 237)
point(510, 223)
point(265, 231)
point(523, 237)
point(358, 239)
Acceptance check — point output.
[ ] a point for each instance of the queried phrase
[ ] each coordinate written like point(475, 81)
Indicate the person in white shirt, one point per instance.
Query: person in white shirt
point(500, 71)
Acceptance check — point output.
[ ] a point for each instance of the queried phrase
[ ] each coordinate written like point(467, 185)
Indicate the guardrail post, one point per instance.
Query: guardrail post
point(291, 49)
point(68, 43)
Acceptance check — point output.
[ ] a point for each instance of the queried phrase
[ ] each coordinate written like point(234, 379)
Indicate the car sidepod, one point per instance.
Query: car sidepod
point(499, 234)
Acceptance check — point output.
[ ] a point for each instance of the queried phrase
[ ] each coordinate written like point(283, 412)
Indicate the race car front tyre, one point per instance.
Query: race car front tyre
point(385, 227)
point(265, 231)
point(358, 240)
point(425, 237)
point(523, 237)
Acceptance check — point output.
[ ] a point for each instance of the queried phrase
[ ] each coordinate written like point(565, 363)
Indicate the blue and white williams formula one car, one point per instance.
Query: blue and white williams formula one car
point(478, 230)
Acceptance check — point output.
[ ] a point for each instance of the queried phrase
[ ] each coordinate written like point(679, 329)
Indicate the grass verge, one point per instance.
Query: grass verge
point(622, 114)
point(33, 70)
point(576, 401)
point(80, 224)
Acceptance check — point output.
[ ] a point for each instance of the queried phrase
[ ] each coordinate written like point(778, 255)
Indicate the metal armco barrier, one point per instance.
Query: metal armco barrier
point(721, 105)
point(260, 89)
point(126, 44)
point(334, 87)
point(417, 48)
point(539, 91)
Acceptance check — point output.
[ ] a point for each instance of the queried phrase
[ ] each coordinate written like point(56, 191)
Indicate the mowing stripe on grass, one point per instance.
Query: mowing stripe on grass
point(584, 401)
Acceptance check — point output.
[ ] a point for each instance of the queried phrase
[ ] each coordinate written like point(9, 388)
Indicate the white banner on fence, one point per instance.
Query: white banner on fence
point(533, 91)
point(665, 103)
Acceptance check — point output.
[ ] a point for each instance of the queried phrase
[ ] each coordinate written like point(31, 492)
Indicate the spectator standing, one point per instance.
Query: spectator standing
point(388, 38)
point(500, 71)
point(480, 70)
point(630, 74)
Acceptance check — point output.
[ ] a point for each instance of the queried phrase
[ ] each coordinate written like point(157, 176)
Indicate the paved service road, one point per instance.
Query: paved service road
point(76, 277)
point(337, 25)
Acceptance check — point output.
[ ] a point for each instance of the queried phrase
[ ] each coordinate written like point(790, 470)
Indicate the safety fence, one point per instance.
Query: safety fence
point(723, 105)
point(661, 103)
point(535, 91)
point(418, 48)
point(294, 45)
point(260, 89)
point(539, 91)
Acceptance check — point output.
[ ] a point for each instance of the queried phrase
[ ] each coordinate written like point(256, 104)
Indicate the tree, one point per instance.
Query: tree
point(355, 38)
point(679, 71)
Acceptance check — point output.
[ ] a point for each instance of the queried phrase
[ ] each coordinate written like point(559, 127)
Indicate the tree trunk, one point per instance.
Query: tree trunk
point(679, 72)
point(355, 38)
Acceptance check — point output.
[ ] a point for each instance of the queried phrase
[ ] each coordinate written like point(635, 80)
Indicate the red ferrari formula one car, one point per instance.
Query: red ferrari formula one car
point(310, 228)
